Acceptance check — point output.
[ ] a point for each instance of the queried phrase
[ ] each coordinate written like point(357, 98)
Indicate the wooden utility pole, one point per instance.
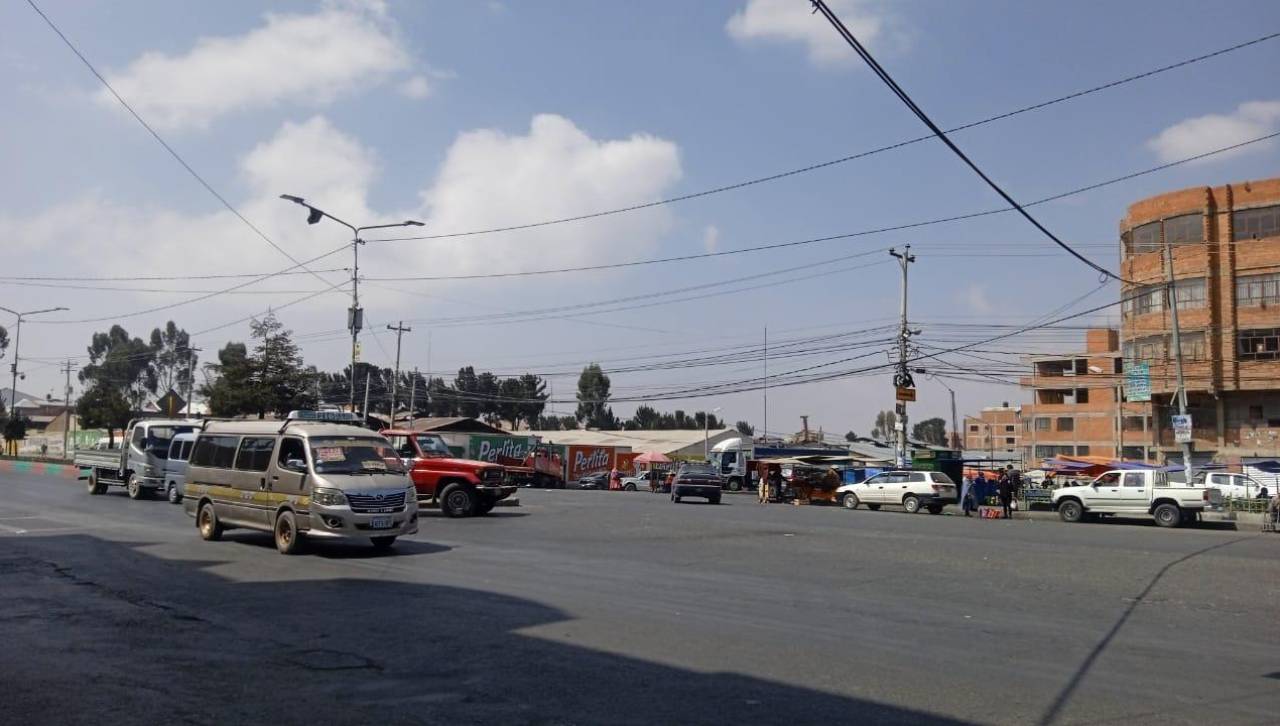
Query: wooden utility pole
point(400, 330)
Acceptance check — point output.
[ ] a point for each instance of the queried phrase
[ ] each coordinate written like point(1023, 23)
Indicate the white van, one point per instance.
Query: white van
point(175, 467)
point(298, 478)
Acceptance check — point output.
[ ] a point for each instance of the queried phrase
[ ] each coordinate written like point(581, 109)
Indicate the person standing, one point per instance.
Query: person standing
point(1006, 487)
point(966, 495)
point(615, 479)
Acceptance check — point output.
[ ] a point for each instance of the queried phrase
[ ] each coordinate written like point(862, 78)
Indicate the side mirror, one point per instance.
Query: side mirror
point(296, 465)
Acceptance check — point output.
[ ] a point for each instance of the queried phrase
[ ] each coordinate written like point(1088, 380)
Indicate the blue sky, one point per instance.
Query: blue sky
point(472, 114)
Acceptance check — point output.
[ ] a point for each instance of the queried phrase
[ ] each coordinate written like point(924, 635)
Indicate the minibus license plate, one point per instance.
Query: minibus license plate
point(380, 522)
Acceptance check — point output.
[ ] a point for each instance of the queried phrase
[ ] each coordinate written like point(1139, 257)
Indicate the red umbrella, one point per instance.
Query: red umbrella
point(652, 457)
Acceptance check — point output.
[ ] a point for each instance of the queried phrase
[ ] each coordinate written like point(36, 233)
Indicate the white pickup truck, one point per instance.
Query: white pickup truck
point(1128, 493)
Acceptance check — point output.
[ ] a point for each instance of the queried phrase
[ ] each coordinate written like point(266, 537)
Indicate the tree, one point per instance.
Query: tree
point(231, 390)
point(883, 429)
point(488, 388)
point(593, 399)
point(850, 437)
point(175, 362)
point(467, 385)
point(930, 431)
point(441, 399)
point(534, 395)
point(510, 399)
point(283, 381)
point(118, 377)
point(646, 418)
point(745, 428)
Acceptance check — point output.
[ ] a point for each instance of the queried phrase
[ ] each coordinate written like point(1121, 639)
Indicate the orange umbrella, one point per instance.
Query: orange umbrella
point(652, 457)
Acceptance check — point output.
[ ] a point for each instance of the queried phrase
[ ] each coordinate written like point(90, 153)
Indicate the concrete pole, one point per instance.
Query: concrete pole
point(1177, 347)
point(905, 258)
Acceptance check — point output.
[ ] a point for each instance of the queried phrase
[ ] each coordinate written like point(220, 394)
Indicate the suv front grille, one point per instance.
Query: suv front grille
point(376, 503)
point(493, 475)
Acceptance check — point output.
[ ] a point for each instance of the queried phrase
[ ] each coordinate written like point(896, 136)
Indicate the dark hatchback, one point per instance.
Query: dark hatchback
point(697, 480)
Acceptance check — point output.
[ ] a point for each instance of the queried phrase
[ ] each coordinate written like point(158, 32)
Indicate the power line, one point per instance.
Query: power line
point(843, 159)
point(821, 6)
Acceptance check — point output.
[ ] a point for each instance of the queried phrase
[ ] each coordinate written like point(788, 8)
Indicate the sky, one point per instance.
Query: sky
point(471, 116)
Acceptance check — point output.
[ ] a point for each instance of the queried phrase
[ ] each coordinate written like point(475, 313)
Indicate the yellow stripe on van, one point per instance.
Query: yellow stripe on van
point(231, 495)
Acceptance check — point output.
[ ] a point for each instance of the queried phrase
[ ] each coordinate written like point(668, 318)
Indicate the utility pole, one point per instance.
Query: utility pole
point(66, 399)
point(365, 411)
point(17, 338)
point(902, 379)
point(764, 428)
point(1177, 347)
point(191, 378)
point(413, 394)
point(395, 380)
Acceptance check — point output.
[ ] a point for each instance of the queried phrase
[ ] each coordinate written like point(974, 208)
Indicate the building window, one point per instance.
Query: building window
point(1135, 423)
point(973, 428)
point(1255, 223)
point(1010, 428)
point(1159, 347)
point(1186, 229)
point(1046, 452)
point(1042, 424)
point(1192, 345)
point(1066, 423)
point(1258, 290)
point(1151, 298)
point(1261, 344)
point(1082, 451)
point(1145, 238)
point(1190, 293)
point(1133, 453)
point(1255, 413)
point(1009, 440)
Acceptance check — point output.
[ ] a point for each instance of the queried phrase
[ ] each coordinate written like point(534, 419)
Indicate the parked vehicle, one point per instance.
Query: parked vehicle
point(697, 480)
point(138, 465)
point(1147, 493)
point(732, 457)
point(1232, 486)
point(298, 479)
point(175, 467)
point(459, 487)
point(643, 479)
point(541, 467)
point(594, 481)
point(912, 490)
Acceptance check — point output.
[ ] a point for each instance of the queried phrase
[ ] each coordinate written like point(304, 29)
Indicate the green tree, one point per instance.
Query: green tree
point(118, 378)
point(467, 388)
point(175, 362)
point(442, 400)
point(488, 388)
point(283, 381)
point(534, 397)
point(745, 428)
point(593, 399)
point(850, 437)
point(930, 431)
point(510, 400)
point(883, 429)
point(230, 390)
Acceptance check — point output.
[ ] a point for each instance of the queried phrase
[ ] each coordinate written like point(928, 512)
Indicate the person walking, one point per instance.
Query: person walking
point(615, 479)
point(1006, 487)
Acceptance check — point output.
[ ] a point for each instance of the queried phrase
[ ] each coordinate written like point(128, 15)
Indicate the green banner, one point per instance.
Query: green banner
point(509, 450)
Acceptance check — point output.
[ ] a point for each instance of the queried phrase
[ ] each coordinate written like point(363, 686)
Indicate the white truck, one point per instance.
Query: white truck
point(138, 465)
point(1129, 493)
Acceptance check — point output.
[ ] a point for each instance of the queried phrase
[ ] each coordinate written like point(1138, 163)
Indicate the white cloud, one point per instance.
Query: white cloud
point(975, 296)
point(309, 59)
point(711, 238)
point(417, 87)
point(493, 179)
point(1214, 131)
point(792, 21)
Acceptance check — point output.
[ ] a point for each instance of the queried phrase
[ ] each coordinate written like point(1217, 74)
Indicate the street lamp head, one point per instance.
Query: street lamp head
point(414, 223)
point(315, 216)
point(295, 200)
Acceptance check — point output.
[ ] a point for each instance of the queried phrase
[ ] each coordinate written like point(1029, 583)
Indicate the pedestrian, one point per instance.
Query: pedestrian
point(966, 495)
point(1005, 487)
point(615, 479)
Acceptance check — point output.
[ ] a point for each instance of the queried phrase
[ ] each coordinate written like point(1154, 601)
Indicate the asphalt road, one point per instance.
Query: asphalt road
point(587, 607)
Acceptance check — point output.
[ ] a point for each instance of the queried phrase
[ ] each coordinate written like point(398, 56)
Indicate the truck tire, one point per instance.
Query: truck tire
point(457, 501)
point(1168, 515)
point(850, 501)
point(95, 486)
point(286, 533)
point(735, 484)
point(911, 503)
point(1071, 511)
point(174, 494)
point(208, 524)
point(135, 488)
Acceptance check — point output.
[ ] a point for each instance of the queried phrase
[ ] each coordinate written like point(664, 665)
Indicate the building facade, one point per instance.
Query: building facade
point(1219, 248)
point(1078, 406)
point(996, 430)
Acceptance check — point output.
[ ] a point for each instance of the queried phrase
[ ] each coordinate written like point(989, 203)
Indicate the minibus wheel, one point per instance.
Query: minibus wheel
point(286, 531)
point(207, 521)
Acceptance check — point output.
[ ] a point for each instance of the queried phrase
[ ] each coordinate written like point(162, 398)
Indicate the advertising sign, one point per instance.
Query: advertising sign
point(1137, 381)
point(584, 460)
point(906, 394)
point(505, 450)
point(627, 462)
point(1181, 428)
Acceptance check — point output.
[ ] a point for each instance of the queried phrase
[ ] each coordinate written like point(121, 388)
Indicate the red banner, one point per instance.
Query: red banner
point(584, 460)
point(627, 462)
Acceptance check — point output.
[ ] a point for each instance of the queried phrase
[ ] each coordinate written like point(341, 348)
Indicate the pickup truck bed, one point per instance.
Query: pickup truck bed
point(109, 459)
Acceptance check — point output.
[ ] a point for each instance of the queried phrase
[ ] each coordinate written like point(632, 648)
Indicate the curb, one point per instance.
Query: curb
point(18, 466)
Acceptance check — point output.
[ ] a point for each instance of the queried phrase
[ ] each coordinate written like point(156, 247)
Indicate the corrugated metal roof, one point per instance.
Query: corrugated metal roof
point(665, 441)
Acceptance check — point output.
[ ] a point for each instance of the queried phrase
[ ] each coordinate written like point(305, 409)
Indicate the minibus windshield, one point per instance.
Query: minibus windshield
point(354, 455)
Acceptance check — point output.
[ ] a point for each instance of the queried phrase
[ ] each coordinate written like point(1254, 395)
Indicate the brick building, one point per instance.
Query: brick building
point(996, 430)
point(1221, 247)
point(1077, 405)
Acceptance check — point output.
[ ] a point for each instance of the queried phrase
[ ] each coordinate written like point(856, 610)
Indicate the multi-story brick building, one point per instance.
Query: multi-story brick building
point(996, 430)
point(1077, 405)
point(1221, 248)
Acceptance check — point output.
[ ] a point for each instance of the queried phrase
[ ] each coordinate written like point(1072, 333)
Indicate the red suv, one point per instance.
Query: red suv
point(460, 487)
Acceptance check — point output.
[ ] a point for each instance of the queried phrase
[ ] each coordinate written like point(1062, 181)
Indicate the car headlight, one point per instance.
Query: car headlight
point(328, 497)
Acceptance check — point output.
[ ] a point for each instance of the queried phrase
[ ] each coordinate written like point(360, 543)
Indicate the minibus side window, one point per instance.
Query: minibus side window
point(255, 453)
point(292, 450)
point(215, 451)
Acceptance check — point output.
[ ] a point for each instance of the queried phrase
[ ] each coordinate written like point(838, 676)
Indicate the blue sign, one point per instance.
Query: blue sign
point(1137, 381)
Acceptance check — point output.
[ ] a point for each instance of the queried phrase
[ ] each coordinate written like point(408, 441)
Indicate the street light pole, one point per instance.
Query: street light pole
point(355, 316)
point(17, 339)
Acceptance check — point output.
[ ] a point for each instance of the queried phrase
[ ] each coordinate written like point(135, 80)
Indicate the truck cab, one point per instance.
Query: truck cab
point(139, 464)
point(1133, 493)
point(730, 457)
point(460, 487)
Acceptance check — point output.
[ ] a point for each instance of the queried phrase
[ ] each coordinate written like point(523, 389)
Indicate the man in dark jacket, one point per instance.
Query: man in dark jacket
point(1006, 487)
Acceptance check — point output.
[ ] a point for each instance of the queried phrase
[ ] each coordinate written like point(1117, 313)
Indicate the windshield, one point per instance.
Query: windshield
point(433, 446)
point(159, 438)
point(354, 455)
point(701, 469)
